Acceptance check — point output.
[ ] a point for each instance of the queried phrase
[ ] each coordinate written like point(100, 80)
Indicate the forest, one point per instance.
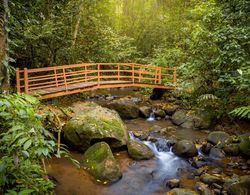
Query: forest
point(208, 41)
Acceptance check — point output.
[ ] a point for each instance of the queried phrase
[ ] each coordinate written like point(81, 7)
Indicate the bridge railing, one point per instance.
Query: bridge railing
point(76, 77)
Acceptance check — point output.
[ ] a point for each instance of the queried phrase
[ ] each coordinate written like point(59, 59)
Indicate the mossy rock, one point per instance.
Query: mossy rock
point(125, 108)
point(181, 191)
point(99, 161)
point(94, 124)
point(139, 151)
point(245, 144)
point(185, 149)
point(217, 137)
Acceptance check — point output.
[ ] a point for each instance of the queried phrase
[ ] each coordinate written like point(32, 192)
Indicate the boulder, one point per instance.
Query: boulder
point(139, 151)
point(170, 109)
point(241, 187)
point(99, 161)
point(179, 117)
point(181, 191)
point(160, 113)
point(185, 148)
point(125, 108)
point(244, 145)
point(93, 124)
point(145, 111)
point(217, 136)
point(173, 183)
point(210, 179)
point(216, 153)
point(192, 119)
point(231, 149)
point(203, 189)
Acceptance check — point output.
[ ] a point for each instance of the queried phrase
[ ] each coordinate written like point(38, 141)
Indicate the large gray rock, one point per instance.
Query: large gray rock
point(99, 161)
point(217, 136)
point(210, 179)
point(181, 191)
point(192, 119)
point(93, 124)
point(125, 108)
point(244, 145)
point(241, 187)
point(185, 149)
point(139, 151)
point(216, 153)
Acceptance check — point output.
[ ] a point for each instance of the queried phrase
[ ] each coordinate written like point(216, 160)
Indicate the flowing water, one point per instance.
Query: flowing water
point(139, 177)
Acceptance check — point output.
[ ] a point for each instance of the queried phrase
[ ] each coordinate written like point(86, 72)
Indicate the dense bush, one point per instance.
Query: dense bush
point(24, 144)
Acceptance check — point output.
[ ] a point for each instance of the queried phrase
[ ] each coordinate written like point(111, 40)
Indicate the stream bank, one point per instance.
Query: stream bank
point(153, 176)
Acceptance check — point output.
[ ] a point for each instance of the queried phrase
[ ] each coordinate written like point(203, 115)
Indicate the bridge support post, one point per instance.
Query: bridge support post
point(26, 81)
point(98, 74)
point(174, 76)
point(18, 85)
point(118, 72)
point(133, 73)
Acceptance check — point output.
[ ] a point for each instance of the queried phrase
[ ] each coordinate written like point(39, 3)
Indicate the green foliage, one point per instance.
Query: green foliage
point(241, 112)
point(24, 143)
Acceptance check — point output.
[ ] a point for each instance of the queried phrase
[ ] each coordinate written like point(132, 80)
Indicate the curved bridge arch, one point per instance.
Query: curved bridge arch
point(68, 79)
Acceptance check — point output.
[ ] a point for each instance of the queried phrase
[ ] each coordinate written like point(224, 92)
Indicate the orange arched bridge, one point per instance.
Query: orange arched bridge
point(56, 81)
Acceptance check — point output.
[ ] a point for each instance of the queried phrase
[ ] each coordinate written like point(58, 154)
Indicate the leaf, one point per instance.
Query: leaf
point(25, 192)
point(27, 144)
point(25, 153)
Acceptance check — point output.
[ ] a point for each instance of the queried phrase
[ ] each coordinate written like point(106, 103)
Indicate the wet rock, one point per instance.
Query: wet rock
point(160, 113)
point(231, 149)
point(185, 148)
point(93, 124)
point(173, 183)
point(203, 119)
point(170, 109)
point(181, 191)
point(145, 111)
point(217, 186)
point(199, 171)
point(206, 147)
point(138, 150)
point(202, 189)
point(179, 117)
point(244, 144)
point(152, 139)
point(241, 187)
point(217, 136)
point(210, 179)
point(156, 129)
point(125, 108)
point(217, 170)
point(217, 191)
point(99, 161)
point(192, 119)
point(109, 98)
point(216, 153)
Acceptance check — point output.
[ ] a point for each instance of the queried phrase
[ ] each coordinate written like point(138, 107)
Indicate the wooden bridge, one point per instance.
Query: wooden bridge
point(68, 79)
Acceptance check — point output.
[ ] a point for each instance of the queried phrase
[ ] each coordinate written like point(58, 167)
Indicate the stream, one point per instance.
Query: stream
point(139, 177)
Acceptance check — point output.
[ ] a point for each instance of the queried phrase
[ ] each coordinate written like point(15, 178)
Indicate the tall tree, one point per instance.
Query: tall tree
point(4, 47)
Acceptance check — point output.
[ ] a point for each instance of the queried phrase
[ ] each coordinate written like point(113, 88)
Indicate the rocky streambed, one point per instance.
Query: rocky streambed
point(169, 154)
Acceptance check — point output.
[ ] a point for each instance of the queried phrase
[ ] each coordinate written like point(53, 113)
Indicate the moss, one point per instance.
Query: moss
point(100, 163)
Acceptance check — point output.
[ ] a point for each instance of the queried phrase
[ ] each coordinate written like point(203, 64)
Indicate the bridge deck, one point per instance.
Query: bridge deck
point(61, 80)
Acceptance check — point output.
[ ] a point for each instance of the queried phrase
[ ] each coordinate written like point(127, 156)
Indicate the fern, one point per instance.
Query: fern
point(207, 97)
point(241, 112)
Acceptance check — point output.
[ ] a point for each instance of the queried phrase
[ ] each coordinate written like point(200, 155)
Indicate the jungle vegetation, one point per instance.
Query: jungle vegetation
point(207, 40)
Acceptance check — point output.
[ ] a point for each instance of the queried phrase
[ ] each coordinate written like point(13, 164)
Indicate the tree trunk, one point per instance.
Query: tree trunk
point(4, 73)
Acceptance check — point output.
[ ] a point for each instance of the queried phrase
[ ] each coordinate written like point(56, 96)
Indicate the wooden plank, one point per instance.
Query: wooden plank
point(26, 81)
point(18, 83)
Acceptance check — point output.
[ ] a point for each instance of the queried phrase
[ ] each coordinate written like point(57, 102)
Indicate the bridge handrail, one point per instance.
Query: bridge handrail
point(35, 79)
